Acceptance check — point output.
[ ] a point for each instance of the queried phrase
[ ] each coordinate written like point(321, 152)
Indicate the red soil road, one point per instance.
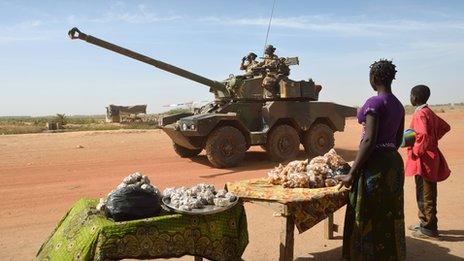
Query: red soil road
point(42, 175)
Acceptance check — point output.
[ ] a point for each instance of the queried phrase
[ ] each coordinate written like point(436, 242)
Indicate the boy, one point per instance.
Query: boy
point(426, 162)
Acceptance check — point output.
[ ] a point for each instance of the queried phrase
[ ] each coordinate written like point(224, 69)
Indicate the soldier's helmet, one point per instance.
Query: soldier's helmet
point(270, 49)
point(252, 55)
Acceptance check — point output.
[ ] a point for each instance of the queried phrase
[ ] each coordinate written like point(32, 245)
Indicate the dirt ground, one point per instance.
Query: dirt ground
point(42, 175)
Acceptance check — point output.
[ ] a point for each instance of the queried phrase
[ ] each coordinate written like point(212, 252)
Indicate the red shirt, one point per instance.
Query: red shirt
point(424, 158)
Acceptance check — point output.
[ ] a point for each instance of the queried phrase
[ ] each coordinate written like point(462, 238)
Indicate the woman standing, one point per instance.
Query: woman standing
point(374, 221)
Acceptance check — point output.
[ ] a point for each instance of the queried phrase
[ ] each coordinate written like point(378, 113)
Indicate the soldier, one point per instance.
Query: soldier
point(270, 58)
point(276, 69)
point(273, 63)
point(249, 62)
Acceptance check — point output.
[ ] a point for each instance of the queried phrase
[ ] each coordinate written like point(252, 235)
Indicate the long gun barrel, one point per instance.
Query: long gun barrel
point(75, 33)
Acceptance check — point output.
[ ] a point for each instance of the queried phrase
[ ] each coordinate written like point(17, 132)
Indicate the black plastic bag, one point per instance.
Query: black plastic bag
point(131, 203)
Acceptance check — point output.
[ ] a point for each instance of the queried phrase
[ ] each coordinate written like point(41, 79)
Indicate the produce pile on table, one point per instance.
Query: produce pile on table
point(136, 198)
point(198, 197)
point(138, 180)
point(321, 171)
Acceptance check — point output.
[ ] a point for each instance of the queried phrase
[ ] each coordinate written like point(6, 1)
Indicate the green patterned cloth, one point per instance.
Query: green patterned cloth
point(83, 234)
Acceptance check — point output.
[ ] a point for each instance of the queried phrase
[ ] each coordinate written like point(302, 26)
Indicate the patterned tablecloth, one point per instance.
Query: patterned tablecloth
point(308, 206)
point(84, 235)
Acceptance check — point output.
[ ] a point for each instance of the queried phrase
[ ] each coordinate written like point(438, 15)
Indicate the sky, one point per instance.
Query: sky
point(42, 72)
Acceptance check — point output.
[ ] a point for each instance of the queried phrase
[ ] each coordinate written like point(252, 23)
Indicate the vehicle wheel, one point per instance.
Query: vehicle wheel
point(225, 147)
point(318, 140)
point(184, 152)
point(283, 143)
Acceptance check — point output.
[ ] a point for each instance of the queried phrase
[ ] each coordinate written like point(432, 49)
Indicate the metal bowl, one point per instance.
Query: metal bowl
point(207, 210)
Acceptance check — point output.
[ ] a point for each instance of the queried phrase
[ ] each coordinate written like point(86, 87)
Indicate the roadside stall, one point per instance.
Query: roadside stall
point(137, 221)
point(197, 221)
point(300, 207)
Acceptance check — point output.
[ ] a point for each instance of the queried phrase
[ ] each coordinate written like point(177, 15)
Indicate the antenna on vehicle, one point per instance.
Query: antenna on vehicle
point(269, 25)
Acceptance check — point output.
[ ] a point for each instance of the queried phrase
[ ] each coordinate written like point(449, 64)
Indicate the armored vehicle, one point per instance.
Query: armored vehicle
point(241, 116)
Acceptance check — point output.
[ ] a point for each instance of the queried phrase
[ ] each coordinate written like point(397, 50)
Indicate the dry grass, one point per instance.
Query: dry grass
point(439, 108)
point(22, 125)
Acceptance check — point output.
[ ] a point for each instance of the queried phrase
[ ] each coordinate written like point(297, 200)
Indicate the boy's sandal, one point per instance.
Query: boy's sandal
point(419, 234)
point(414, 227)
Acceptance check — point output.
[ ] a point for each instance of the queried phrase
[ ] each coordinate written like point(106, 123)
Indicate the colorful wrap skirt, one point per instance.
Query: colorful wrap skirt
point(374, 220)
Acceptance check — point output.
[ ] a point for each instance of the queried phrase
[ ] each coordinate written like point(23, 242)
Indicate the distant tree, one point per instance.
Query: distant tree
point(61, 118)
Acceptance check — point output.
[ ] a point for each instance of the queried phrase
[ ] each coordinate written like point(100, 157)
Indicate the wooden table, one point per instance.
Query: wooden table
point(300, 207)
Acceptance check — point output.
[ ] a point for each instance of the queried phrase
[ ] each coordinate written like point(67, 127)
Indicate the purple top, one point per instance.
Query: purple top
point(389, 111)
